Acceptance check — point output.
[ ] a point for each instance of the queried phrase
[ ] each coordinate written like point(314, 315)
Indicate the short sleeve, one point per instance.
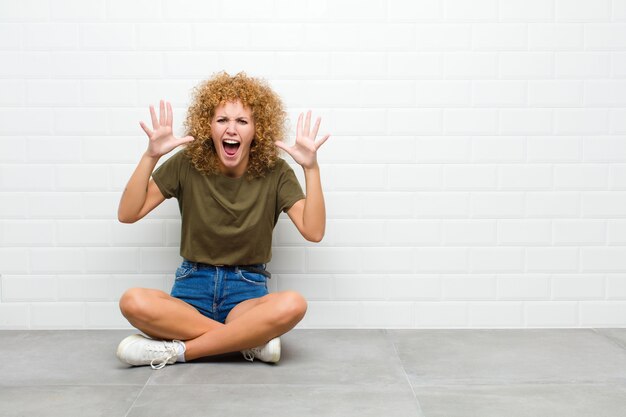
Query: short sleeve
point(289, 189)
point(170, 176)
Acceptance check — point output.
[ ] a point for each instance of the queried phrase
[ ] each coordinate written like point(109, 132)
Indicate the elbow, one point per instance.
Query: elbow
point(315, 237)
point(124, 218)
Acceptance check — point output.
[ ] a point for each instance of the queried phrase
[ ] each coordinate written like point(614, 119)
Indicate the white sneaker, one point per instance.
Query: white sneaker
point(141, 350)
point(269, 352)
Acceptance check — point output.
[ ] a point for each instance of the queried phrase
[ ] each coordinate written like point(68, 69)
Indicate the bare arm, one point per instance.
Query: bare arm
point(141, 194)
point(309, 214)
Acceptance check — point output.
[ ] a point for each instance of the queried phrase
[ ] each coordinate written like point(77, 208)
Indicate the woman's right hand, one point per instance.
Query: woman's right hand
point(162, 139)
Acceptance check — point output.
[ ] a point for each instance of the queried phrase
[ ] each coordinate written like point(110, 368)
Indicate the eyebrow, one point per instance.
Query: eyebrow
point(238, 117)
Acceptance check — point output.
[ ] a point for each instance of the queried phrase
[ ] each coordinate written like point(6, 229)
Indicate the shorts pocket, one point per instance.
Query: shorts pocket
point(252, 277)
point(185, 270)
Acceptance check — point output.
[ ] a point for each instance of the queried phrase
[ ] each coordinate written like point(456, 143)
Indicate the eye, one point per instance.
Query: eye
point(242, 121)
point(221, 120)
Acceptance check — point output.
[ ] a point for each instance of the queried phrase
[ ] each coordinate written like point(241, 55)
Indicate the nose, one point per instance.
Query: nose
point(230, 129)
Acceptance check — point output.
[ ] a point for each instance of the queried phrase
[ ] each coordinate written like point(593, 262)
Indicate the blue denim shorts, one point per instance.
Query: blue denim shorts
point(215, 290)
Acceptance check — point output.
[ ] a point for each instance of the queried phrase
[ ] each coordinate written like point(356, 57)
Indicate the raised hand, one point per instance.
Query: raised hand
point(162, 139)
point(304, 152)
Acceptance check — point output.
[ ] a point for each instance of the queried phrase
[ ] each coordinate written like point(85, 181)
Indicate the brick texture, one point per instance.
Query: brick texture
point(475, 177)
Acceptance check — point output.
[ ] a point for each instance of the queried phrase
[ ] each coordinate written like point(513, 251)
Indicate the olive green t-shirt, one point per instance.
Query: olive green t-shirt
point(227, 221)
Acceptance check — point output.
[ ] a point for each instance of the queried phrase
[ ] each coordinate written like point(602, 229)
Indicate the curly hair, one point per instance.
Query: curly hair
point(267, 112)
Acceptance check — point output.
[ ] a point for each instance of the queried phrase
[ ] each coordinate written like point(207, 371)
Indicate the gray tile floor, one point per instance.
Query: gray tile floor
point(432, 373)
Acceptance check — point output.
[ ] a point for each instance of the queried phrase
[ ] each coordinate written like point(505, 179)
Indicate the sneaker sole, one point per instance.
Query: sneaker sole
point(276, 349)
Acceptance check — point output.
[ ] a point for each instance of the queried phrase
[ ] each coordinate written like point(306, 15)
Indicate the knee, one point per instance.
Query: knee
point(293, 307)
point(134, 305)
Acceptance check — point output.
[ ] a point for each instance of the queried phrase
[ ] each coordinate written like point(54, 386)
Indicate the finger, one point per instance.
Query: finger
point(145, 129)
point(184, 140)
point(170, 114)
point(321, 142)
point(316, 127)
point(299, 127)
point(307, 123)
point(155, 123)
point(162, 116)
point(281, 145)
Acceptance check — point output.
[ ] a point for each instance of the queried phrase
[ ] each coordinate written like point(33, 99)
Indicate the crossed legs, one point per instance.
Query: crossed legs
point(251, 323)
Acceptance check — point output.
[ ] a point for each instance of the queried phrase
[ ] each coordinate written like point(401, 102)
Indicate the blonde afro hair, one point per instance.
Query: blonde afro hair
point(267, 112)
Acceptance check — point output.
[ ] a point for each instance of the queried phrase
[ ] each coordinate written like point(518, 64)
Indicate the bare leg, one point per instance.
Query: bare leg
point(251, 323)
point(159, 315)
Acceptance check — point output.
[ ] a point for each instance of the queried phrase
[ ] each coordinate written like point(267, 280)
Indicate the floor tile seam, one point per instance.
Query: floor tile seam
point(461, 383)
point(406, 376)
point(130, 408)
point(610, 338)
point(287, 384)
point(47, 384)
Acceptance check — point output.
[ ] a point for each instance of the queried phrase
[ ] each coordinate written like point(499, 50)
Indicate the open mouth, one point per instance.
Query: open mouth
point(230, 146)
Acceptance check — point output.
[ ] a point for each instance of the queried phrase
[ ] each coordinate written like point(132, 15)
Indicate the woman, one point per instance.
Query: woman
point(231, 186)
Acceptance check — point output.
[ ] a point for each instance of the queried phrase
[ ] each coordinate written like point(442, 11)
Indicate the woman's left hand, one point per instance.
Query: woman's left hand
point(304, 152)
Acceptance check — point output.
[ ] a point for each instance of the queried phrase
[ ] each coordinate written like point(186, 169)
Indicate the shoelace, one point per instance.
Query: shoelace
point(168, 350)
point(250, 354)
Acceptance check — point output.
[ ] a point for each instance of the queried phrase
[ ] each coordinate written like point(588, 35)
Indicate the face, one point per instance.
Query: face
point(232, 130)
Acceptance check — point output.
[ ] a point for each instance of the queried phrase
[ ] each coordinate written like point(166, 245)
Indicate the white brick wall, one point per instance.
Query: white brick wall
point(476, 176)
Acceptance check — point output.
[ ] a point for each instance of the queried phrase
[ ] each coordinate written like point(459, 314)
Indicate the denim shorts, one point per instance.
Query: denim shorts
point(215, 290)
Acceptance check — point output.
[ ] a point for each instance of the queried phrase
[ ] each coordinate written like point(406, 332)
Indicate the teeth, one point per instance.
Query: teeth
point(231, 142)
